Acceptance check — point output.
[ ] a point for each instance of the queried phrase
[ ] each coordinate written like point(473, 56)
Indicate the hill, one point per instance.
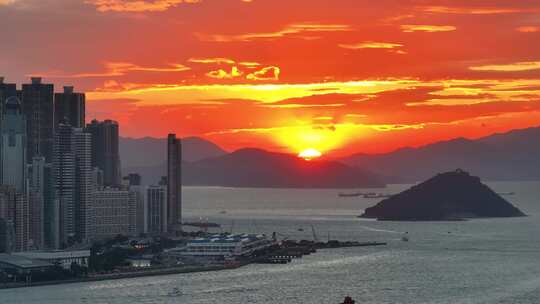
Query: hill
point(508, 156)
point(150, 151)
point(447, 196)
point(261, 169)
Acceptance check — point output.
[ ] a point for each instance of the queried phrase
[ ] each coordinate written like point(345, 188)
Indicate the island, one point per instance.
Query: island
point(455, 195)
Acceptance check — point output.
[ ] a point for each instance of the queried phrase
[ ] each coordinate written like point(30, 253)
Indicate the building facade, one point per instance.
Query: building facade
point(13, 145)
point(156, 209)
point(38, 107)
point(114, 211)
point(84, 186)
point(105, 150)
point(65, 170)
point(70, 106)
point(174, 184)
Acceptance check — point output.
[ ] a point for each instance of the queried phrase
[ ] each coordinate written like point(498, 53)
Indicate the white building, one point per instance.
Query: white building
point(62, 258)
point(226, 245)
point(156, 209)
point(115, 213)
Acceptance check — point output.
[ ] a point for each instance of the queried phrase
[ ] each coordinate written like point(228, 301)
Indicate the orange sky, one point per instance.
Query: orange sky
point(340, 76)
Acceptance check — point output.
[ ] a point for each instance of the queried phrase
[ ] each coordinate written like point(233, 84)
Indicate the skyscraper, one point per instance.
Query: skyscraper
point(13, 145)
point(70, 106)
point(38, 107)
point(44, 207)
point(84, 186)
point(105, 152)
point(174, 184)
point(36, 201)
point(14, 209)
point(6, 90)
point(65, 170)
point(74, 183)
point(156, 214)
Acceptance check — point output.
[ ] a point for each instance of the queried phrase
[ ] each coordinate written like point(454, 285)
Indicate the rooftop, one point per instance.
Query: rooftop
point(22, 262)
point(229, 238)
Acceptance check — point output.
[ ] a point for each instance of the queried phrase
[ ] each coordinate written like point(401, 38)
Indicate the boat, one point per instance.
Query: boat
point(405, 237)
point(356, 194)
point(375, 195)
point(176, 292)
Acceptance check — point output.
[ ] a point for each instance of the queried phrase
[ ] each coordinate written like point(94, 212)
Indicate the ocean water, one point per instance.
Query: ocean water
point(477, 261)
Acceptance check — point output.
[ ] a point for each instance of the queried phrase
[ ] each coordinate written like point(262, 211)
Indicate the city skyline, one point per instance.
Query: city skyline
point(377, 77)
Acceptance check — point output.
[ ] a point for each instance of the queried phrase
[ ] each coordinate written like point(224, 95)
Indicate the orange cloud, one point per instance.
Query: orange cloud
point(137, 5)
point(222, 74)
point(409, 28)
point(268, 73)
point(528, 29)
point(212, 60)
point(469, 10)
point(511, 67)
point(371, 45)
point(291, 29)
point(113, 69)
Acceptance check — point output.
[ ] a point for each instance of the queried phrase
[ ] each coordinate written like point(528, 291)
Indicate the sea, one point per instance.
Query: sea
point(475, 261)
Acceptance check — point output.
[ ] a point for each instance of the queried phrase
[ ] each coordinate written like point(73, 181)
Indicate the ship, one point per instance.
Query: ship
point(356, 194)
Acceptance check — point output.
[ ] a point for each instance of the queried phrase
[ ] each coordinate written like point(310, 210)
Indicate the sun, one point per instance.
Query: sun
point(309, 154)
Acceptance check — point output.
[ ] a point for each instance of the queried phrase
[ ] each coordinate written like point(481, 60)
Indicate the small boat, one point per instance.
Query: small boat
point(300, 229)
point(356, 194)
point(175, 292)
point(375, 195)
point(405, 237)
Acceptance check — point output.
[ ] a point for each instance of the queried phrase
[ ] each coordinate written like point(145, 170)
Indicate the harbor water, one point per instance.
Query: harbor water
point(476, 261)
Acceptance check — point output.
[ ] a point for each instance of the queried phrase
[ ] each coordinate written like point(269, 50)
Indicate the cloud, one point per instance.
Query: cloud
point(117, 69)
point(296, 28)
point(268, 73)
point(137, 5)
point(528, 29)
point(409, 28)
point(212, 60)
point(371, 45)
point(511, 67)
point(222, 74)
point(469, 10)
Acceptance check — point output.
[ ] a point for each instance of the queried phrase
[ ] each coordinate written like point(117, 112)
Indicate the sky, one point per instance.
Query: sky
point(338, 76)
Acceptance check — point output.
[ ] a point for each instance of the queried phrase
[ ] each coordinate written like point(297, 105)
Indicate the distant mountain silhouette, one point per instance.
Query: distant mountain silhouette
point(150, 151)
point(148, 156)
point(261, 169)
point(509, 156)
point(447, 196)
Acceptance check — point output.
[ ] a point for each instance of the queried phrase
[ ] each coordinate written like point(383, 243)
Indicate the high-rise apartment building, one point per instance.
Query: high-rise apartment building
point(13, 145)
point(156, 209)
point(84, 186)
point(14, 209)
point(114, 213)
point(70, 106)
point(38, 107)
point(6, 90)
point(174, 184)
point(65, 184)
point(105, 151)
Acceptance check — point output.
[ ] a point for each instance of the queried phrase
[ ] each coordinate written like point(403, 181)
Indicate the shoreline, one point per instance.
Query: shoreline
point(126, 275)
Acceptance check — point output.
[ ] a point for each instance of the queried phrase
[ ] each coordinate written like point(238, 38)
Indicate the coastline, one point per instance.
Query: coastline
point(125, 275)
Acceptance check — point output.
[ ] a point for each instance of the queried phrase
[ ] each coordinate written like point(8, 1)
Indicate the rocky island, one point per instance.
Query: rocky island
point(448, 196)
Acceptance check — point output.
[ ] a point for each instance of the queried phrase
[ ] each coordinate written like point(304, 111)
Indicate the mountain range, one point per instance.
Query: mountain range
point(508, 156)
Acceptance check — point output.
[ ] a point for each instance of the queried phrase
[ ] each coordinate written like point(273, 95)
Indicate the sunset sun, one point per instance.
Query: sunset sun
point(309, 154)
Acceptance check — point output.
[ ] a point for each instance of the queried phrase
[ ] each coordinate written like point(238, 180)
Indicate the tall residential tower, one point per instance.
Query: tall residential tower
point(174, 184)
